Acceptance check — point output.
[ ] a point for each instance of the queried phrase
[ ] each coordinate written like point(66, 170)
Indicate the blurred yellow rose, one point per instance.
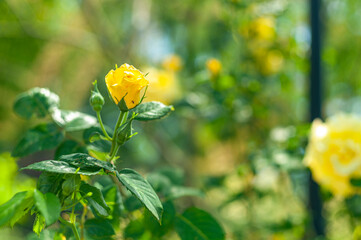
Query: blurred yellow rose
point(126, 81)
point(214, 66)
point(172, 63)
point(263, 28)
point(164, 86)
point(268, 61)
point(334, 153)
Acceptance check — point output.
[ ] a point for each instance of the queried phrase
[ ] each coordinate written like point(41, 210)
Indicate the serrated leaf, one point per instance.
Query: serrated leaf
point(48, 205)
point(42, 137)
point(140, 188)
point(55, 166)
point(98, 228)
point(96, 200)
point(9, 209)
point(152, 111)
point(83, 160)
point(72, 120)
point(77, 163)
point(197, 224)
point(38, 101)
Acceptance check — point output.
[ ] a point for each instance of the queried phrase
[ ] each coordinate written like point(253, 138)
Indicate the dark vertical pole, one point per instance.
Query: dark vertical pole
point(315, 202)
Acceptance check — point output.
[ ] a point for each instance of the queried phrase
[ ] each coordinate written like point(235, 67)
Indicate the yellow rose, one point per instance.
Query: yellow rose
point(165, 87)
point(263, 28)
point(173, 63)
point(334, 153)
point(126, 81)
point(214, 66)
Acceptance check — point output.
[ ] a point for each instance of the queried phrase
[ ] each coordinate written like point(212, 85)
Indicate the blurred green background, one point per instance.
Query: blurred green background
point(237, 73)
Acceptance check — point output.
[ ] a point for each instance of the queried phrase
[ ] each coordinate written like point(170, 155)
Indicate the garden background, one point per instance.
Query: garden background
point(237, 74)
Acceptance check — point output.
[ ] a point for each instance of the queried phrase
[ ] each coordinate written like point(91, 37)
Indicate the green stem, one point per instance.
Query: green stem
point(102, 127)
point(121, 120)
point(75, 231)
point(73, 227)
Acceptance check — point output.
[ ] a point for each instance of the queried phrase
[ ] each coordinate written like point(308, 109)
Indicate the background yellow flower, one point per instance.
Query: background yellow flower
point(214, 66)
point(334, 153)
point(163, 86)
point(172, 63)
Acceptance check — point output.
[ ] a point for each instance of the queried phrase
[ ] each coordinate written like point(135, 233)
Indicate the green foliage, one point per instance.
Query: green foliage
point(152, 111)
point(48, 205)
point(65, 192)
point(138, 186)
point(198, 224)
point(12, 210)
point(95, 199)
point(72, 120)
point(36, 101)
point(99, 229)
point(42, 137)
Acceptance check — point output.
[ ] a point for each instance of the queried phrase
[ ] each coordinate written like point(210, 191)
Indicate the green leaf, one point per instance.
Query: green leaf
point(22, 209)
point(50, 182)
point(356, 182)
point(152, 111)
point(77, 163)
point(71, 184)
point(140, 188)
point(48, 205)
point(39, 224)
point(83, 160)
point(10, 209)
point(96, 200)
point(55, 166)
point(72, 120)
point(114, 200)
point(69, 147)
point(197, 224)
point(98, 228)
point(38, 101)
point(42, 137)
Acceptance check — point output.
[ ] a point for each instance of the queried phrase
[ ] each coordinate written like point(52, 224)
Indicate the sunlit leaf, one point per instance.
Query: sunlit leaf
point(48, 205)
point(38, 101)
point(139, 187)
point(72, 120)
point(152, 111)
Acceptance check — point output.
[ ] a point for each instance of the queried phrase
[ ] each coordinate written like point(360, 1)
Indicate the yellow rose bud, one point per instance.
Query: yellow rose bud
point(214, 66)
point(173, 63)
point(126, 81)
point(334, 153)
